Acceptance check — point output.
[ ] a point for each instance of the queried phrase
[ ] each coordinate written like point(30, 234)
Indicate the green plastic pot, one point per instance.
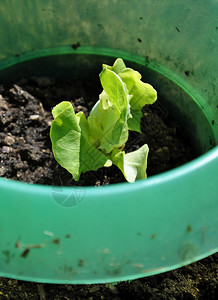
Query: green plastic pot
point(123, 231)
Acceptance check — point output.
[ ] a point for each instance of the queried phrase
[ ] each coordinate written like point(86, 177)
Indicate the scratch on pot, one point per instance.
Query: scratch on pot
point(106, 251)
point(138, 265)
point(203, 231)
point(113, 264)
point(154, 270)
point(49, 233)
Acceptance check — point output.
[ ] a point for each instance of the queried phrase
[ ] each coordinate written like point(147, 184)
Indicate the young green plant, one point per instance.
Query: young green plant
point(82, 144)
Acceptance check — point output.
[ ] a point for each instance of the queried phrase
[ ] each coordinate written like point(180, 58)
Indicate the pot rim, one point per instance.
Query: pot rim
point(114, 189)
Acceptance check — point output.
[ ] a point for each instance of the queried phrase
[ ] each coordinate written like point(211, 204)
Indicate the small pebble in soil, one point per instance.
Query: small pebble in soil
point(9, 140)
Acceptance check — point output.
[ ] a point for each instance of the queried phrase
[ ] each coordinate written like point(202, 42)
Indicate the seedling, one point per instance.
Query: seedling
point(82, 144)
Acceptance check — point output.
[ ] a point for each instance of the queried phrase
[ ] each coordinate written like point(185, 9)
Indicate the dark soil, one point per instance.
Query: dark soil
point(198, 281)
point(25, 155)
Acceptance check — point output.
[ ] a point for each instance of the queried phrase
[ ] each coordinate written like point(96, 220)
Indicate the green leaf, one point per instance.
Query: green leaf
point(65, 135)
point(135, 120)
point(133, 165)
point(115, 89)
point(142, 93)
point(102, 120)
point(70, 141)
point(90, 157)
point(108, 118)
point(117, 67)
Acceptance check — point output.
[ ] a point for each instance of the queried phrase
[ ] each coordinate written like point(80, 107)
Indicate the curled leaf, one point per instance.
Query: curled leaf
point(133, 165)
